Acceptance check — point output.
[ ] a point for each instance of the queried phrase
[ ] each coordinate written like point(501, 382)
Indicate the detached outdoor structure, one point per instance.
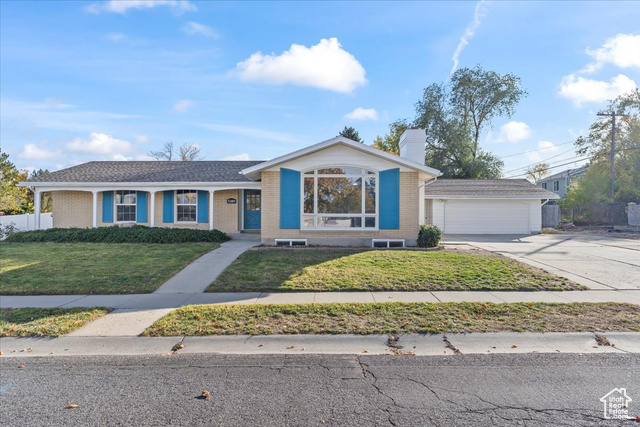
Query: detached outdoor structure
point(337, 192)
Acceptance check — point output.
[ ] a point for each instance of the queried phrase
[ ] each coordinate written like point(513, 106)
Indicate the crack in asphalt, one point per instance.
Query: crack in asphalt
point(495, 408)
point(367, 374)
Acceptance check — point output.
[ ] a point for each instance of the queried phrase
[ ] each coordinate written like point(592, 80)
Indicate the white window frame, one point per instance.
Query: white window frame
point(316, 214)
point(116, 204)
point(176, 204)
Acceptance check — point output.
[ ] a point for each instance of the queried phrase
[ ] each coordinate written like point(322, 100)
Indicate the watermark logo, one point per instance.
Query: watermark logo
point(616, 404)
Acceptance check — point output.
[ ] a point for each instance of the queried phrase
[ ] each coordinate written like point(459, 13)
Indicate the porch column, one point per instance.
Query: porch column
point(152, 205)
point(37, 202)
point(95, 209)
point(211, 194)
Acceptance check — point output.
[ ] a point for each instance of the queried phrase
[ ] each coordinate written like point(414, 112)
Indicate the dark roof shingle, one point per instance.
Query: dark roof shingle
point(487, 189)
point(151, 171)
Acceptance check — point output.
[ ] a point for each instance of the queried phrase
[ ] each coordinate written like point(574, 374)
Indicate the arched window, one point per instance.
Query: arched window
point(339, 198)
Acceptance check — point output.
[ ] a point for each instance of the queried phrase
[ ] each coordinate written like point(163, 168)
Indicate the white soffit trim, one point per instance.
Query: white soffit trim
point(253, 172)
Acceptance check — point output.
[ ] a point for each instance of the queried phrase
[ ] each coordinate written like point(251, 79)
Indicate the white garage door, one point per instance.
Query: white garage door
point(486, 217)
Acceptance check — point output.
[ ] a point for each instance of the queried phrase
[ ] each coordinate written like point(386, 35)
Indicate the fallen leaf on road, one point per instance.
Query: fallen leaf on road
point(302, 349)
point(290, 347)
point(177, 346)
point(20, 366)
point(514, 346)
point(261, 345)
point(365, 351)
point(205, 394)
point(1, 353)
point(72, 406)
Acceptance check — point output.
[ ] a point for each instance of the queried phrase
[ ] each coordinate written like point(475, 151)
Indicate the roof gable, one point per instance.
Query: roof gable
point(255, 171)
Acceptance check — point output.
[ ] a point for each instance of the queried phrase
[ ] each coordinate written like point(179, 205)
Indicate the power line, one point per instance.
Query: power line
point(553, 167)
point(541, 161)
point(539, 149)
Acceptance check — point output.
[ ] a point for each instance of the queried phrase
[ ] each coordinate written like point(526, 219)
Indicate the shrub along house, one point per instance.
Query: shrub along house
point(336, 192)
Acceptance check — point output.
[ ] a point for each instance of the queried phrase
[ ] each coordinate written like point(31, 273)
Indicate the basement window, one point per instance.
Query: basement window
point(291, 242)
point(387, 243)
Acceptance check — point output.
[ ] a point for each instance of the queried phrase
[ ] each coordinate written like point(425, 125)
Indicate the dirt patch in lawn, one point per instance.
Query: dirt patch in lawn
point(381, 318)
point(331, 269)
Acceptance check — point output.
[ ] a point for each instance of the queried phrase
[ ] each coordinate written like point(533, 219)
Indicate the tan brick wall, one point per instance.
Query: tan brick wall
point(226, 215)
point(72, 209)
point(271, 215)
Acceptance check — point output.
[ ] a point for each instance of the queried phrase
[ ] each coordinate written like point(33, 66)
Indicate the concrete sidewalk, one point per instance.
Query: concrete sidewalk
point(198, 275)
point(414, 344)
point(142, 302)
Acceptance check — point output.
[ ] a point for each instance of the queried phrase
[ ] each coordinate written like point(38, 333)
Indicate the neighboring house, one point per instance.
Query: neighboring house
point(336, 192)
point(559, 182)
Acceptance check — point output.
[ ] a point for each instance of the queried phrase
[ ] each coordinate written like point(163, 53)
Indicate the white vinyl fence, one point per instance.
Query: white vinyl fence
point(26, 222)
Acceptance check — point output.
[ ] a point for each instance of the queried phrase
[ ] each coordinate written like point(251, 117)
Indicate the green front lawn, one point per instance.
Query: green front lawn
point(381, 318)
point(45, 322)
point(380, 270)
point(92, 268)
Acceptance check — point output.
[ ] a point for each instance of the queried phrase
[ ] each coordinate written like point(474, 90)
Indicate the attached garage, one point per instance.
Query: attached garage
point(502, 206)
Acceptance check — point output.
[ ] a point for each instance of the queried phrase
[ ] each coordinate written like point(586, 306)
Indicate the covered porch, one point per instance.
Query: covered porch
point(232, 208)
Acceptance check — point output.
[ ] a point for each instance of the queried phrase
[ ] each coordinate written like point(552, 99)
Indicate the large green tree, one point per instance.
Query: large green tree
point(454, 115)
point(13, 200)
point(390, 142)
point(351, 133)
point(594, 185)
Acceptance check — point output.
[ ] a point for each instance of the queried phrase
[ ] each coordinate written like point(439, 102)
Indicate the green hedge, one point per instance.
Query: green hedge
point(429, 236)
point(115, 234)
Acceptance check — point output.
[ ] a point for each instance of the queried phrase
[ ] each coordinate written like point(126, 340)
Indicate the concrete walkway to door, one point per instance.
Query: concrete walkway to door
point(193, 279)
point(598, 262)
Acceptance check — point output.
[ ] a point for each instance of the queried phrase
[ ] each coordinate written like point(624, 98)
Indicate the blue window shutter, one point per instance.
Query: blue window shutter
point(390, 199)
point(289, 198)
point(203, 206)
point(141, 207)
point(167, 206)
point(107, 206)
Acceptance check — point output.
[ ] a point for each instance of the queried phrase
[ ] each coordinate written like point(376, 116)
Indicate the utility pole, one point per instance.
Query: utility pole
point(612, 169)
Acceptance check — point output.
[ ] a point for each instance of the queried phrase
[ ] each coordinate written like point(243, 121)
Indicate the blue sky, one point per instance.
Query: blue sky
point(107, 80)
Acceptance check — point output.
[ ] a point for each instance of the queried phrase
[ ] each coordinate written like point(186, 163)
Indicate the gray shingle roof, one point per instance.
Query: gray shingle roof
point(487, 189)
point(151, 171)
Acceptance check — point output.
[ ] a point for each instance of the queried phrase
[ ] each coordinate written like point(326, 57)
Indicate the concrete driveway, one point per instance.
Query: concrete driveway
point(594, 261)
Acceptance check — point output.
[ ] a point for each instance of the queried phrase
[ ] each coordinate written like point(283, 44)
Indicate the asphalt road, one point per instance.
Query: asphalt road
point(315, 390)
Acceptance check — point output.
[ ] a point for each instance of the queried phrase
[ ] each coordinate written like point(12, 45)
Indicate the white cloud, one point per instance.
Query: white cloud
point(545, 148)
point(33, 152)
point(182, 105)
point(243, 156)
point(122, 6)
point(194, 28)
point(141, 139)
point(100, 143)
point(120, 158)
point(479, 13)
point(362, 114)
point(623, 51)
point(116, 37)
point(325, 65)
point(581, 90)
point(513, 132)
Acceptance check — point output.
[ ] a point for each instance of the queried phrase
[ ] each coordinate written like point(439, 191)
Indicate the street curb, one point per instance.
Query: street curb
point(407, 345)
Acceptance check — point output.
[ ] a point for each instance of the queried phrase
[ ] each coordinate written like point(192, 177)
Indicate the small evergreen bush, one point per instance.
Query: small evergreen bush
point(115, 234)
point(429, 236)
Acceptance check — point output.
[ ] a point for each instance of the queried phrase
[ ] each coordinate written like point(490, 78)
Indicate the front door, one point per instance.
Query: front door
point(252, 209)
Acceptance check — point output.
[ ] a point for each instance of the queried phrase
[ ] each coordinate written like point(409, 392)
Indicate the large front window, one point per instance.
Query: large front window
point(339, 197)
point(125, 206)
point(186, 205)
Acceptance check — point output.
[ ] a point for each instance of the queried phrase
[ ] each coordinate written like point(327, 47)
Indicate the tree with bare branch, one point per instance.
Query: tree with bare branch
point(187, 152)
